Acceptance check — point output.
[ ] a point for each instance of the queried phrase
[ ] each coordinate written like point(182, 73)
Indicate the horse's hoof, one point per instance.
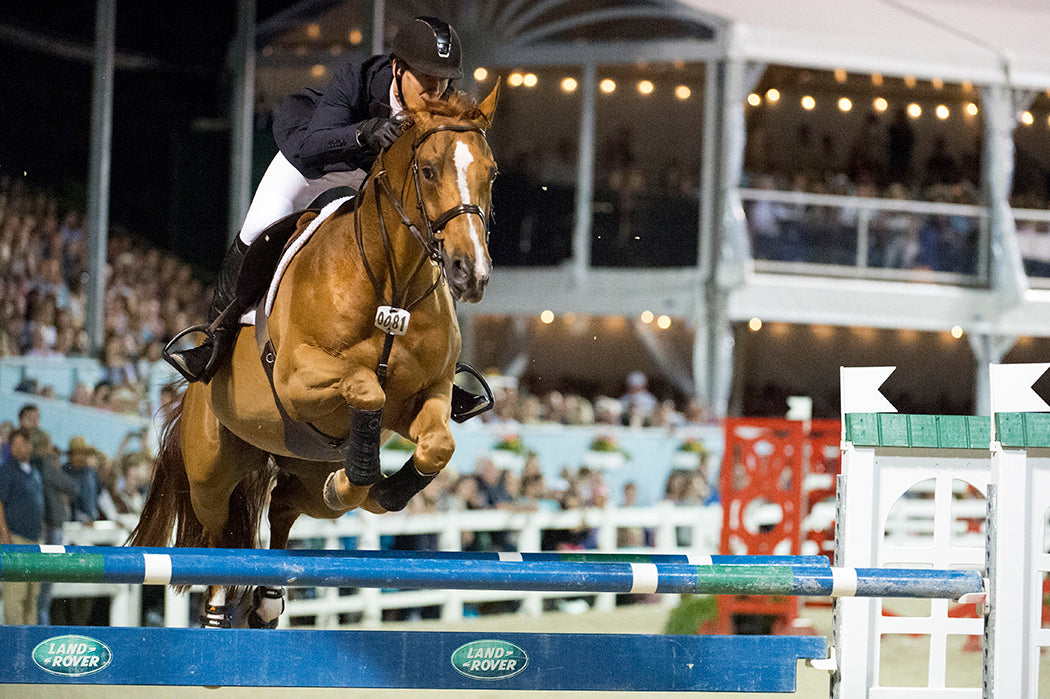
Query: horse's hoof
point(255, 622)
point(260, 596)
point(337, 491)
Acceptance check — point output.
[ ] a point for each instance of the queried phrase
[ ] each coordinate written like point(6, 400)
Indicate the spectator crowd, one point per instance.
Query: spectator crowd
point(43, 486)
point(149, 296)
point(881, 162)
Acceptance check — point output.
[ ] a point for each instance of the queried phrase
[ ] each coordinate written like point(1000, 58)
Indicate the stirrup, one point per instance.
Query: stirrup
point(467, 404)
point(172, 355)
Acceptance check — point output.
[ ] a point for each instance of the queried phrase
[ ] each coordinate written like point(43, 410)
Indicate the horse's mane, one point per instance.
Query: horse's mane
point(457, 105)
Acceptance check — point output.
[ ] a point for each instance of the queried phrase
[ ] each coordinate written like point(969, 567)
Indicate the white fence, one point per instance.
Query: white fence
point(323, 607)
point(672, 529)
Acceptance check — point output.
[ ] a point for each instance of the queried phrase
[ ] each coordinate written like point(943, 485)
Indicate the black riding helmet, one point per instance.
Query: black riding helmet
point(429, 46)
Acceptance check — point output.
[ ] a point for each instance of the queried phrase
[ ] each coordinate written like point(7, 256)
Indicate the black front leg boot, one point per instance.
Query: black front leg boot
point(362, 462)
point(393, 493)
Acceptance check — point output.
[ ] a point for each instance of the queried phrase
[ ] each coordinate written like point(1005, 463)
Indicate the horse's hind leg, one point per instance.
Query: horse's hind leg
point(296, 492)
point(267, 601)
point(217, 462)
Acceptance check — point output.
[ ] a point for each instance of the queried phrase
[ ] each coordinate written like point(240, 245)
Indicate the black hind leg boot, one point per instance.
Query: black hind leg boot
point(200, 363)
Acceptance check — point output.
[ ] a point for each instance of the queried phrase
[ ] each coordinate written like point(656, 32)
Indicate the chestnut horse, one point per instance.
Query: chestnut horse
point(359, 340)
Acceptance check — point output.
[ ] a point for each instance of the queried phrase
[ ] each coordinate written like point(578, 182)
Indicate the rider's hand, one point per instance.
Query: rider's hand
point(378, 133)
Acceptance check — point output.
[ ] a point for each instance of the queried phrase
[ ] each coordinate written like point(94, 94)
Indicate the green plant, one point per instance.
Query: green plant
point(399, 443)
point(693, 446)
point(692, 612)
point(605, 443)
point(512, 443)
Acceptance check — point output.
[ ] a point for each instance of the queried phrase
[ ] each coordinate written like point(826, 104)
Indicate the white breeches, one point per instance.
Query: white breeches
point(283, 190)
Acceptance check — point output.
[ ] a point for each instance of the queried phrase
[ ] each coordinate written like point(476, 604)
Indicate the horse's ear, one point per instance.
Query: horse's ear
point(488, 105)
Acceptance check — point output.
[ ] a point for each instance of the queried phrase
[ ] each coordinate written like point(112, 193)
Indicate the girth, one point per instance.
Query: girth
point(300, 438)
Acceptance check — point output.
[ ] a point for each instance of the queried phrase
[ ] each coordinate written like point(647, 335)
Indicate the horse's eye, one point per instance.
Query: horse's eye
point(493, 175)
point(427, 172)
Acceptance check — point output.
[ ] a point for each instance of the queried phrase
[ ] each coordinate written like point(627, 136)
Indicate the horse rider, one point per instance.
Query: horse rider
point(326, 140)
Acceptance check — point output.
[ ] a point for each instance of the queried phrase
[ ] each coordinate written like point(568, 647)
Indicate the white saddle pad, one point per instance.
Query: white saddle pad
point(286, 259)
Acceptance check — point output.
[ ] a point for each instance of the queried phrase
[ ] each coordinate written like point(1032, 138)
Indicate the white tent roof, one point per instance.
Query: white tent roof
point(983, 41)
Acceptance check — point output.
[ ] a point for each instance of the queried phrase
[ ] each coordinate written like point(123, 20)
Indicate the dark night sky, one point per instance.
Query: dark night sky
point(45, 103)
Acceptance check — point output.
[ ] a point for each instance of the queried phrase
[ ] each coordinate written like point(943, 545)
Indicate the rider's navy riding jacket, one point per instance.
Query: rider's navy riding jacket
point(317, 132)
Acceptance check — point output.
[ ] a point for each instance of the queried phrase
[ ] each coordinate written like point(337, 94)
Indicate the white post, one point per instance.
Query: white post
point(1018, 504)
point(855, 546)
point(176, 609)
point(1008, 636)
point(451, 539)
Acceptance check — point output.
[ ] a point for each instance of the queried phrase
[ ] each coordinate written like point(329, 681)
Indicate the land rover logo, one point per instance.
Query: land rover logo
point(72, 656)
point(489, 660)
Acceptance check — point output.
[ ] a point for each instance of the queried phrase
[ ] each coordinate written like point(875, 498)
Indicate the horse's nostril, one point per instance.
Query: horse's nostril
point(460, 269)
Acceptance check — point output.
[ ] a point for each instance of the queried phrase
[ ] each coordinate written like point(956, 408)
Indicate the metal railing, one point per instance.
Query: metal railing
point(1033, 239)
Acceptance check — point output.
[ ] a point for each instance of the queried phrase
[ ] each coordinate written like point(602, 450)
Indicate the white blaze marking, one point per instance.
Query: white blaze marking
point(463, 159)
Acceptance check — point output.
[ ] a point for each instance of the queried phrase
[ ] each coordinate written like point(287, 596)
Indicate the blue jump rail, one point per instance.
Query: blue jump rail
point(544, 556)
point(187, 566)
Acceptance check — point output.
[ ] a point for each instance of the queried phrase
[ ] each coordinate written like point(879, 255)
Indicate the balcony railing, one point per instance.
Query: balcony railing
point(1033, 238)
point(802, 233)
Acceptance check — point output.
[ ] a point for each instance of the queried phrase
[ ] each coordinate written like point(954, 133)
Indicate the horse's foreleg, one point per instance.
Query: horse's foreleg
point(214, 614)
point(348, 487)
point(434, 448)
point(318, 388)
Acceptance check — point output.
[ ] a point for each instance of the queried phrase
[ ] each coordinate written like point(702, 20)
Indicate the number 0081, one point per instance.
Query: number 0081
point(392, 320)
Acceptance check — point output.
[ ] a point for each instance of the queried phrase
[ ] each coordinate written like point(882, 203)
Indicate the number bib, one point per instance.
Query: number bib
point(392, 320)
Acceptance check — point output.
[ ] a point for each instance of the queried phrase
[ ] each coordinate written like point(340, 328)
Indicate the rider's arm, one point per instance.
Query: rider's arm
point(331, 136)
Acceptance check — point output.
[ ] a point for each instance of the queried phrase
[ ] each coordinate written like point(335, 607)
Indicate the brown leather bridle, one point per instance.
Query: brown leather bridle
point(431, 241)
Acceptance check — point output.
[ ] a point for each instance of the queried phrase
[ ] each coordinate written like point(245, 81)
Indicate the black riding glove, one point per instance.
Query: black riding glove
point(378, 133)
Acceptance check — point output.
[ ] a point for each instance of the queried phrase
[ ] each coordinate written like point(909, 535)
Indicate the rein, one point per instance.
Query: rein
point(430, 241)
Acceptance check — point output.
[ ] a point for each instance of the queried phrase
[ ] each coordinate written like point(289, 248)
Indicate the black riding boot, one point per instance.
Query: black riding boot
point(195, 363)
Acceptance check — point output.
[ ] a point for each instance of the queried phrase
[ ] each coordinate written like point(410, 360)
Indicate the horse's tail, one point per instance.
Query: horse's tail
point(168, 503)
